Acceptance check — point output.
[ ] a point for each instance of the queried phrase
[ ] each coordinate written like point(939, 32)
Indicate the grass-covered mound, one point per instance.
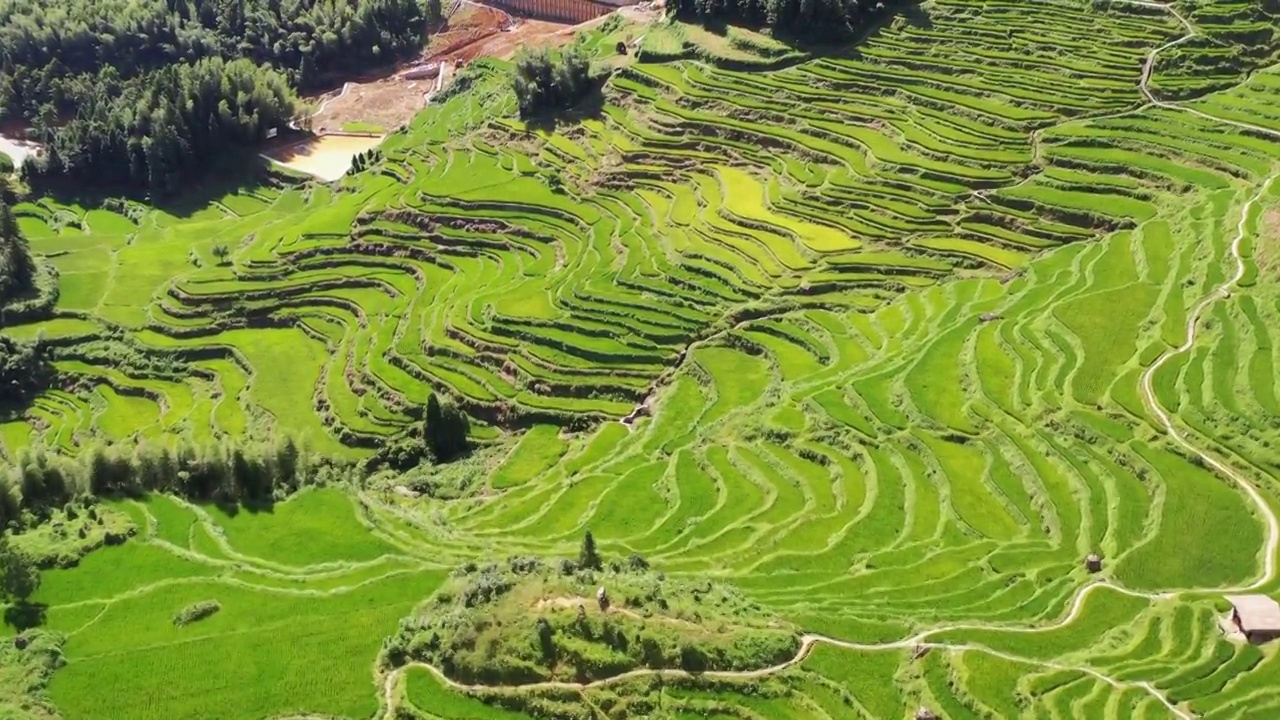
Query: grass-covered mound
point(26, 663)
point(529, 620)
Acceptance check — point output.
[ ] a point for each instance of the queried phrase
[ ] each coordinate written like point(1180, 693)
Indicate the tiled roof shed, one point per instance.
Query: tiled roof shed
point(1257, 616)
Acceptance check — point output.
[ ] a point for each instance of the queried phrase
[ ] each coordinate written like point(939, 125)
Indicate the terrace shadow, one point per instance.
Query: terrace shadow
point(23, 616)
point(237, 171)
point(814, 45)
point(232, 508)
point(590, 107)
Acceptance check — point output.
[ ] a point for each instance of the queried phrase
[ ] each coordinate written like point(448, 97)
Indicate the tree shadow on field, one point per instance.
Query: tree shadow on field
point(242, 171)
point(591, 107)
point(26, 615)
point(232, 507)
point(817, 44)
point(236, 171)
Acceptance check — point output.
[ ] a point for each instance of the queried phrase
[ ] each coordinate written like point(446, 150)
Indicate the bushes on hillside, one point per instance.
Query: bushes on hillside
point(39, 480)
point(24, 371)
point(19, 576)
point(481, 627)
point(545, 82)
point(196, 612)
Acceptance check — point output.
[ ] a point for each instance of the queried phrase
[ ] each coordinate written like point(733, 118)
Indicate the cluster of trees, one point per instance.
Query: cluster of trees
point(40, 480)
point(160, 129)
point(479, 627)
point(547, 82)
point(143, 92)
point(19, 576)
point(17, 267)
point(441, 437)
point(814, 18)
point(53, 50)
point(446, 430)
point(24, 372)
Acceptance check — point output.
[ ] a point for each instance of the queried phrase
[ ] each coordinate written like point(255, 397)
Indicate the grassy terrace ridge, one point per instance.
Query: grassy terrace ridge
point(911, 325)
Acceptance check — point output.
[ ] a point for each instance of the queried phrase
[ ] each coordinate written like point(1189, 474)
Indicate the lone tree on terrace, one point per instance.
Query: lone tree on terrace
point(19, 578)
point(446, 429)
point(588, 557)
point(544, 82)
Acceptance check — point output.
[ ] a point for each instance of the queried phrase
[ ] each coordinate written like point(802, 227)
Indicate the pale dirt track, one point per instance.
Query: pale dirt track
point(810, 640)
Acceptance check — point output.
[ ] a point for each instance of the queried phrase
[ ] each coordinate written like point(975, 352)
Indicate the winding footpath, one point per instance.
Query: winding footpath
point(391, 678)
point(1153, 403)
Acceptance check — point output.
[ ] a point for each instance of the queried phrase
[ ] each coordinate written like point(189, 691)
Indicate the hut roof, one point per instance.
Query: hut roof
point(1256, 612)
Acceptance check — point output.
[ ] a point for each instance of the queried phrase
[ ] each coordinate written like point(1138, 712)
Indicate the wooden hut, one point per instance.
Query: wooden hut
point(1093, 563)
point(1257, 616)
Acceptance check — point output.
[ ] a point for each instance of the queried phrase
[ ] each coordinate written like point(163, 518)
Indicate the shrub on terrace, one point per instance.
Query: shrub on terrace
point(196, 612)
point(527, 620)
point(24, 371)
point(446, 429)
point(19, 578)
point(546, 83)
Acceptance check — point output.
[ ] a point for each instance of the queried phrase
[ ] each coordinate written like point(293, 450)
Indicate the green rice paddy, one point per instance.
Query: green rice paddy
point(888, 313)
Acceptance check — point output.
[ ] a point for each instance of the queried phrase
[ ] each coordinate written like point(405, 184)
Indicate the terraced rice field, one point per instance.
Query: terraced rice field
point(892, 314)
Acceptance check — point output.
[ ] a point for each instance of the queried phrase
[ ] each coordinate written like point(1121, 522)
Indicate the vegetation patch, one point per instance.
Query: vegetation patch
point(530, 620)
point(196, 612)
point(27, 662)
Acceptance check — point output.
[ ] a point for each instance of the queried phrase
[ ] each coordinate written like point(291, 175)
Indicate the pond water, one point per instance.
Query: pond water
point(327, 157)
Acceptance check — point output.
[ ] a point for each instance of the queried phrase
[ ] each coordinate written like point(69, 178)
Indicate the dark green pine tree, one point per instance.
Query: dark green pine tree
point(588, 557)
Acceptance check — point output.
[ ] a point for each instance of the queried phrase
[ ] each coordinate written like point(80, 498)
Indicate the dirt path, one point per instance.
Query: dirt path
point(1193, 320)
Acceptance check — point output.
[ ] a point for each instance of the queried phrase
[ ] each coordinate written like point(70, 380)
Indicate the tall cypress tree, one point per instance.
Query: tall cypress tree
point(17, 269)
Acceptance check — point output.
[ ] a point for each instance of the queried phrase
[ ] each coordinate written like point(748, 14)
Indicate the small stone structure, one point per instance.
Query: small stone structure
point(1093, 563)
point(1257, 617)
point(602, 598)
point(925, 713)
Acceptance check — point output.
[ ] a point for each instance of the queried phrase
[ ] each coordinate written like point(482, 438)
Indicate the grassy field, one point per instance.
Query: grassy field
point(888, 317)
